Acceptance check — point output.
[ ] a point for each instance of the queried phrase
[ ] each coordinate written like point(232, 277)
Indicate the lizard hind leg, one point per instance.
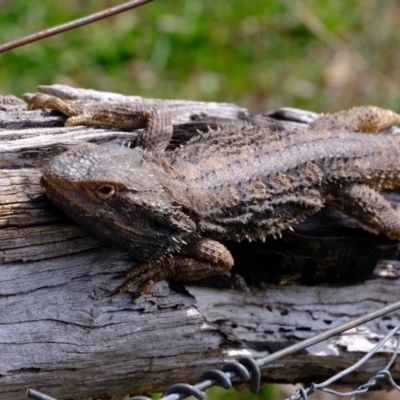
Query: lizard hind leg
point(156, 122)
point(203, 259)
point(370, 208)
point(369, 119)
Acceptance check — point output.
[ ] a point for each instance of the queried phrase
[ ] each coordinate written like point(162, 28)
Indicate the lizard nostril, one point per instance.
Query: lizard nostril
point(43, 183)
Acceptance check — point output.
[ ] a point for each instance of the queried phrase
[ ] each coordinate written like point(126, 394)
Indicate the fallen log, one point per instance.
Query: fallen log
point(62, 333)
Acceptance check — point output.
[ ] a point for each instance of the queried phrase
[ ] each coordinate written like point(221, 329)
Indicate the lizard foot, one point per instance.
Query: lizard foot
point(368, 119)
point(210, 258)
point(143, 277)
point(43, 101)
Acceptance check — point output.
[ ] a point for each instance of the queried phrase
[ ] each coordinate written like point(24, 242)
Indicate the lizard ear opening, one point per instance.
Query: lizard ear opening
point(105, 191)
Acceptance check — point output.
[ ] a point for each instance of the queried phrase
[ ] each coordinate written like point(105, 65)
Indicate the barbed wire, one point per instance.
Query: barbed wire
point(248, 369)
point(384, 373)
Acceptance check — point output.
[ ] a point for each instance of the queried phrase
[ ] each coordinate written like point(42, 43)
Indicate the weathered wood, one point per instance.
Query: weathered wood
point(62, 333)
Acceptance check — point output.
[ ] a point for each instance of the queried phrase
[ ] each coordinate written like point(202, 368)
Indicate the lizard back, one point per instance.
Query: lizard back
point(251, 182)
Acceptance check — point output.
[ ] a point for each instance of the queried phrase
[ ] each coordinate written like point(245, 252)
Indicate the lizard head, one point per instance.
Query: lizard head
point(119, 195)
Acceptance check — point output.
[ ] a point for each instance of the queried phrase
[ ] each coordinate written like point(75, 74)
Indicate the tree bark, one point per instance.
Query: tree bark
point(61, 331)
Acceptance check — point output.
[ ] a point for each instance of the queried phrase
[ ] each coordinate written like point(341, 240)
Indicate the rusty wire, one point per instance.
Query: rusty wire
point(108, 12)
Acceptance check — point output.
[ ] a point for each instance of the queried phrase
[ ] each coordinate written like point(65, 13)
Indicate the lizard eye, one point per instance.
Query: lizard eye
point(105, 192)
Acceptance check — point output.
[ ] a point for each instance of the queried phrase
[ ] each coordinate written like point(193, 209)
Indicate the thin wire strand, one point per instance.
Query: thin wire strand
point(365, 387)
point(108, 12)
point(328, 334)
point(391, 361)
point(373, 351)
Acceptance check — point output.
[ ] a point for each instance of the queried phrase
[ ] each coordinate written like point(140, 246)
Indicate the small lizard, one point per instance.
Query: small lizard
point(170, 209)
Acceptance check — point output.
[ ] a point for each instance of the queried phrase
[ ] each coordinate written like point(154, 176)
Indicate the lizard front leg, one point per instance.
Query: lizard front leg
point(156, 122)
point(203, 259)
point(368, 207)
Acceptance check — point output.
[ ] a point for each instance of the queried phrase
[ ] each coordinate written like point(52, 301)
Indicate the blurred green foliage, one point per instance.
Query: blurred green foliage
point(269, 392)
point(260, 54)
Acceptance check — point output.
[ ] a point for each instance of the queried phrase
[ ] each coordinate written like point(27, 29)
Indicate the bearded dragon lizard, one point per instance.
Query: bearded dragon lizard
point(170, 209)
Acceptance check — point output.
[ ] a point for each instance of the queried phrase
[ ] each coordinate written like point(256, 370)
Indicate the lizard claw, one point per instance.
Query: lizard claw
point(144, 277)
point(143, 288)
point(38, 102)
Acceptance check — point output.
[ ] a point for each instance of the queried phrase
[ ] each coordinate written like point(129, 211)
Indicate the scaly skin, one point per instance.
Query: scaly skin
point(170, 209)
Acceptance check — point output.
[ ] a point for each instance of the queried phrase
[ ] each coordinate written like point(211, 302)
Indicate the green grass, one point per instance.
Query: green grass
point(260, 54)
